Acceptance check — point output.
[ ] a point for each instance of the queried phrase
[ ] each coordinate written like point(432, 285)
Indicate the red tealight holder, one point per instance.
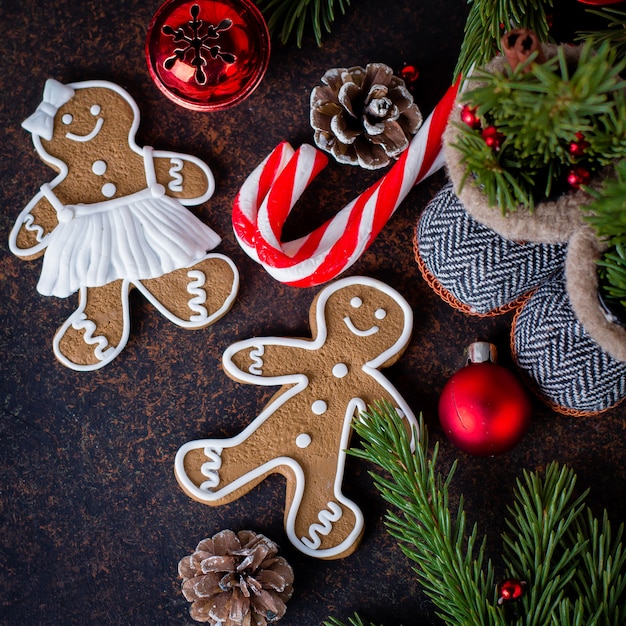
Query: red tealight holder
point(207, 55)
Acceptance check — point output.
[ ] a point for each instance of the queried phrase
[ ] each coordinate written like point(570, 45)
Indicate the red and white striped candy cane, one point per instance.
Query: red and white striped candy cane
point(270, 192)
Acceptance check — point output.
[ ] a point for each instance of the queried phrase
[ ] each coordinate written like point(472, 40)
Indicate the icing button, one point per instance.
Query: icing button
point(340, 370)
point(108, 190)
point(319, 407)
point(99, 167)
point(303, 440)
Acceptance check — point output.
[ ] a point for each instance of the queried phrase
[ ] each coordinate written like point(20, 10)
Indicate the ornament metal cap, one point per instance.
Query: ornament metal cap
point(481, 352)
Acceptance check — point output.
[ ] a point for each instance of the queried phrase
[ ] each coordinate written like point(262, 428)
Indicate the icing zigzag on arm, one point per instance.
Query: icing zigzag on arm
point(176, 184)
point(256, 367)
point(29, 224)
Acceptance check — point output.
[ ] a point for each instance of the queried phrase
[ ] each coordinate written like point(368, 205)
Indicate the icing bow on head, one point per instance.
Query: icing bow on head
point(41, 122)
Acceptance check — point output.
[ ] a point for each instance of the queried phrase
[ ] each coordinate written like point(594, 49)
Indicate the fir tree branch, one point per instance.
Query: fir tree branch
point(539, 110)
point(286, 16)
point(607, 215)
point(574, 569)
point(614, 33)
point(450, 561)
point(488, 20)
point(352, 621)
point(600, 580)
point(535, 548)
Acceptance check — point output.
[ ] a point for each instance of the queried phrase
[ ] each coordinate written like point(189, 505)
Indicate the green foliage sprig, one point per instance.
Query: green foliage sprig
point(614, 33)
point(573, 566)
point(607, 214)
point(488, 20)
point(286, 16)
point(538, 114)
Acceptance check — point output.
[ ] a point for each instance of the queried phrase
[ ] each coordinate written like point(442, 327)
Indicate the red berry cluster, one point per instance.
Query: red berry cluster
point(578, 175)
point(492, 136)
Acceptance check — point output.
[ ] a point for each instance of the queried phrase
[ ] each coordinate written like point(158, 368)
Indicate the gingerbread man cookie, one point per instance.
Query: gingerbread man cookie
point(113, 219)
point(359, 326)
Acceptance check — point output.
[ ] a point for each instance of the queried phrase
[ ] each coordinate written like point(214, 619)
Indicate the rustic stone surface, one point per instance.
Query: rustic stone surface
point(93, 522)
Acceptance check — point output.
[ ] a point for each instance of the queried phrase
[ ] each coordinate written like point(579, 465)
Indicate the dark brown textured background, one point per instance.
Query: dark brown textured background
point(92, 520)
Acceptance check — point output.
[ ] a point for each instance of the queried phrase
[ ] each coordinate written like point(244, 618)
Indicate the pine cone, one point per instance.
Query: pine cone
point(236, 580)
point(363, 116)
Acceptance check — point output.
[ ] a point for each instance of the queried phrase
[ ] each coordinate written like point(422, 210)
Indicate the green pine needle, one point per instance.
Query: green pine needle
point(352, 621)
point(573, 566)
point(607, 215)
point(614, 33)
point(488, 20)
point(286, 17)
point(539, 114)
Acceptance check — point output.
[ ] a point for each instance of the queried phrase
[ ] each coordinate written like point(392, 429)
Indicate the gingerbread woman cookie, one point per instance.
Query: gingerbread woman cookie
point(113, 219)
point(359, 326)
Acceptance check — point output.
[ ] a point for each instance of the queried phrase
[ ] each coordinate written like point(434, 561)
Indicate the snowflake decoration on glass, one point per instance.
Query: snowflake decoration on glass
point(195, 42)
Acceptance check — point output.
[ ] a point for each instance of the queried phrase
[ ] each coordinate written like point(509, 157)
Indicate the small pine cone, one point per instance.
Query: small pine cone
point(363, 116)
point(236, 580)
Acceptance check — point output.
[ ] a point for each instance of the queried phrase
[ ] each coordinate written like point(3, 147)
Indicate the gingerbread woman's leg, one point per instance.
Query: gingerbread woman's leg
point(98, 329)
point(195, 296)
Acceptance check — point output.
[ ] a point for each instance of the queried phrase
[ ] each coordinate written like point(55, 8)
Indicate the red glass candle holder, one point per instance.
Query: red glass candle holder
point(207, 55)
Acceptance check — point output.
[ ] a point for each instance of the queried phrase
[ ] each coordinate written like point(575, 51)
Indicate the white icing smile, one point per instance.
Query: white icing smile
point(88, 136)
point(359, 333)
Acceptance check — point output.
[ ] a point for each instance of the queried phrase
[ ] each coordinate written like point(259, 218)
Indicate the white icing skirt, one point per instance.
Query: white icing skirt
point(137, 237)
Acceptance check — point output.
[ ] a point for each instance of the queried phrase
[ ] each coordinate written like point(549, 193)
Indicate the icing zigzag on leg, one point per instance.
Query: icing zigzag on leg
point(211, 467)
point(326, 517)
point(196, 302)
point(101, 345)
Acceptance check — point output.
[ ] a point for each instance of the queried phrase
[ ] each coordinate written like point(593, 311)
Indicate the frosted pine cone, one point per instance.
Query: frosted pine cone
point(236, 580)
point(363, 116)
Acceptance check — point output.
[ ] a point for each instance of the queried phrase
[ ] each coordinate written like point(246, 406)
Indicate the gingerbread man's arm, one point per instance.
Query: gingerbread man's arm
point(388, 392)
point(184, 177)
point(266, 360)
point(28, 238)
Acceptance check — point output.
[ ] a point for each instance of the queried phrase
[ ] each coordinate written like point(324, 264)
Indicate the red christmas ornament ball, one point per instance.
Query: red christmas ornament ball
point(484, 409)
point(207, 55)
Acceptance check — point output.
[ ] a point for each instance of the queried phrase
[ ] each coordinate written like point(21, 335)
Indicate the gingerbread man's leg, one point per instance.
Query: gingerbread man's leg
point(98, 329)
point(319, 519)
point(195, 296)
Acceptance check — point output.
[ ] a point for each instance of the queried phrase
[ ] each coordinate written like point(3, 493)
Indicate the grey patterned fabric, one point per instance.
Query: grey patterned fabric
point(478, 267)
point(551, 347)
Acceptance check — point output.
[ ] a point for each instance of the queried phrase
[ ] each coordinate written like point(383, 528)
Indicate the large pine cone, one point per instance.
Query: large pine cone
point(363, 116)
point(236, 580)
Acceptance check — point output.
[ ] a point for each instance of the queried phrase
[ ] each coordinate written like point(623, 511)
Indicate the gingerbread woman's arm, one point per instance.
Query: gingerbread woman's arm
point(184, 177)
point(28, 237)
point(266, 360)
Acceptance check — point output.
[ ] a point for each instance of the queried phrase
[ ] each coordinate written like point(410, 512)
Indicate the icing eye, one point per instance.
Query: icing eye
point(95, 109)
point(380, 314)
point(67, 119)
point(356, 302)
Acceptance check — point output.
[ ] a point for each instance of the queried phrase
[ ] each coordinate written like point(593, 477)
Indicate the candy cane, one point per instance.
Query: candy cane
point(270, 192)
